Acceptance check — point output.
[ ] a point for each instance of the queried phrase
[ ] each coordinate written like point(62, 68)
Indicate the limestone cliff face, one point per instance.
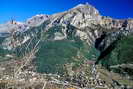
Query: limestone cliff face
point(79, 16)
point(86, 22)
point(37, 20)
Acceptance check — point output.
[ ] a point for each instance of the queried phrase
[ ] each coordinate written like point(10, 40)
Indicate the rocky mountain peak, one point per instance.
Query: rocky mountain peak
point(37, 20)
point(80, 16)
point(82, 6)
point(87, 8)
point(12, 26)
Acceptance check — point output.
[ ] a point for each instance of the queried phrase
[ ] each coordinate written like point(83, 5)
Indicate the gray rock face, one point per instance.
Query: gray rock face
point(37, 20)
point(79, 16)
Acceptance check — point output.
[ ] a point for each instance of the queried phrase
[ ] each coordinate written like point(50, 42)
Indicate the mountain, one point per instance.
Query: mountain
point(37, 20)
point(64, 41)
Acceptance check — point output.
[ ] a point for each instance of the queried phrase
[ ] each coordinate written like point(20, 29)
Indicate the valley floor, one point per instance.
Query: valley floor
point(87, 76)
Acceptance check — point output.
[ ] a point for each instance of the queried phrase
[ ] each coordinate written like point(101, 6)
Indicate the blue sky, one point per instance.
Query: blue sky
point(20, 10)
